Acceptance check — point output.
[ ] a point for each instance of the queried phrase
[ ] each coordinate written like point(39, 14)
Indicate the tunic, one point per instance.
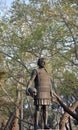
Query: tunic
point(42, 83)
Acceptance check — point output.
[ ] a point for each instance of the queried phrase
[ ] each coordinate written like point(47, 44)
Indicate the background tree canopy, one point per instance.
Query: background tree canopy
point(29, 30)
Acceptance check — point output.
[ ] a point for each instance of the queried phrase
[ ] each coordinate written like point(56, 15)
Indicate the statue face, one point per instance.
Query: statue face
point(41, 63)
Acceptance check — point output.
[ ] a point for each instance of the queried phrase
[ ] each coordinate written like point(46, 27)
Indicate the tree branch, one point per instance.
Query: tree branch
point(66, 116)
point(66, 108)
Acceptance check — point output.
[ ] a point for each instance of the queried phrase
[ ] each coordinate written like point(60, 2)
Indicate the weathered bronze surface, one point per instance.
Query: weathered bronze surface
point(42, 93)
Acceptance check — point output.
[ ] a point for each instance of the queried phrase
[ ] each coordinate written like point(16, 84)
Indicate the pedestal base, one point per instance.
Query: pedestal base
point(44, 129)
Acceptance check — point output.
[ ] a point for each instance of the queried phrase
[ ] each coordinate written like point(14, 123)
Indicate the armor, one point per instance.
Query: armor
point(43, 87)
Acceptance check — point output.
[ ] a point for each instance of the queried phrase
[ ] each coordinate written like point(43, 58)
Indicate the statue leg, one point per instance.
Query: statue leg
point(36, 117)
point(45, 116)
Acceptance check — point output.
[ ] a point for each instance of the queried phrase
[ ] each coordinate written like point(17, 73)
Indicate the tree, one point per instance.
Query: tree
point(41, 28)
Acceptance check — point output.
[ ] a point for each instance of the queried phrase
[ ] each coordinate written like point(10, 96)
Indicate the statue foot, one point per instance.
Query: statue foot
point(36, 127)
point(46, 127)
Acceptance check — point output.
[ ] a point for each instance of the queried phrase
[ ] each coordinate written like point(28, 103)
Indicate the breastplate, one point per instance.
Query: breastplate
point(42, 84)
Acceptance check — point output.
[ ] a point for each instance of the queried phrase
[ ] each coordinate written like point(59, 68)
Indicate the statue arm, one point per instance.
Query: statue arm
point(33, 75)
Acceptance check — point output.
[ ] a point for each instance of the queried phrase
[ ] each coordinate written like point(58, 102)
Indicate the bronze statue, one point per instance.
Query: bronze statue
point(42, 92)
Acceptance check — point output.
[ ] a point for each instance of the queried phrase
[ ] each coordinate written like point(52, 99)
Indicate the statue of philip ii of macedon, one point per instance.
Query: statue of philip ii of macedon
point(42, 92)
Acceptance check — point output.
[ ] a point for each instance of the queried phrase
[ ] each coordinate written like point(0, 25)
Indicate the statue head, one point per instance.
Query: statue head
point(41, 62)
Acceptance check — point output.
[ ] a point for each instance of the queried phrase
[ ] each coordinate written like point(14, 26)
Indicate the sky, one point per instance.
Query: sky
point(4, 5)
point(5, 2)
point(8, 2)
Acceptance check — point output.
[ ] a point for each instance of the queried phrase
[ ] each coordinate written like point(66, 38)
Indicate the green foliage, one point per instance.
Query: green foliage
point(69, 84)
point(40, 28)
